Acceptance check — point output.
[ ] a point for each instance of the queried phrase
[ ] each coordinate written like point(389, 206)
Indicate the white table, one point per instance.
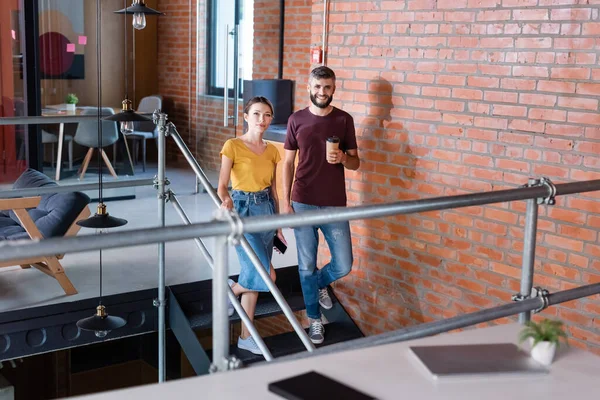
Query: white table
point(60, 109)
point(390, 372)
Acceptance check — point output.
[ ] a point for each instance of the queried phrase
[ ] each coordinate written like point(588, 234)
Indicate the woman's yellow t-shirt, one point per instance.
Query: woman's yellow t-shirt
point(250, 172)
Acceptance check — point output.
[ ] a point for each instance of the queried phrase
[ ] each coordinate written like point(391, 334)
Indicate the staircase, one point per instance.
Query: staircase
point(190, 309)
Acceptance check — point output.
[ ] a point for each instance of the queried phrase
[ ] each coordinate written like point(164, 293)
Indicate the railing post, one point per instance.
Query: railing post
point(220, 325)
point(161, 121)
point(529, 242)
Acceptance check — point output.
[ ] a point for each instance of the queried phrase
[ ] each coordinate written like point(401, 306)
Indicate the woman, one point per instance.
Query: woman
point(251, 162)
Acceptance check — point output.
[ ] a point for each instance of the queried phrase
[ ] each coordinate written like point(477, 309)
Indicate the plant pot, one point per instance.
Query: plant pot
point(71, 107)
point(543, 352)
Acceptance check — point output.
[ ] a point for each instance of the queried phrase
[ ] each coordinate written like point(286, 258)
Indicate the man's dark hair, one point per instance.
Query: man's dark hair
point(322, 72)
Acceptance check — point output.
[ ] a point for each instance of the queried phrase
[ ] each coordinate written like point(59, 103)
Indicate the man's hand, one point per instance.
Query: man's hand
point(336, 157)
point(287, 209)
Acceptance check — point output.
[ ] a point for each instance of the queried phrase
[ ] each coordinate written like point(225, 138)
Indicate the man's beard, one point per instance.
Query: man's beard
point(314, 100)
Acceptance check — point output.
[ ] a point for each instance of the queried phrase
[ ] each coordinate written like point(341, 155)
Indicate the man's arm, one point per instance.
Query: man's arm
point(350, 159)
point(287, 177)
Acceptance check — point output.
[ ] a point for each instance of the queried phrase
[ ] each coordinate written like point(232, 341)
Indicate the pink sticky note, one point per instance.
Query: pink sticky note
point(83, 40)
point(70, 47)
point(14, 34)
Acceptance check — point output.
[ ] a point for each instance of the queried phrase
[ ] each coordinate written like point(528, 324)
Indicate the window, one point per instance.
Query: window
point(222, 13)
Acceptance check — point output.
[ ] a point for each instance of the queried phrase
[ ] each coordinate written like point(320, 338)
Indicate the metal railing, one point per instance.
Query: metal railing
point(537, 303)
point(14, 250)
point(536, 192)
point(78, 187)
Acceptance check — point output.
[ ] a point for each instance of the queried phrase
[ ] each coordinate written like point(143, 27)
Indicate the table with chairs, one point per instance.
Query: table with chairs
point(86, 135)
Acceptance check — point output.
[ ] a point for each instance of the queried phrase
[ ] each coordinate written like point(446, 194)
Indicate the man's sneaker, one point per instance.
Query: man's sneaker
point(324, 299)
point(230, 309)
point(316, 332)
point(249, 344)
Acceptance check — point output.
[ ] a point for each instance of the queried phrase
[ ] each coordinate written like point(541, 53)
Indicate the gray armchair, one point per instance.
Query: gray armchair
point(87, 135)
point(143, 131)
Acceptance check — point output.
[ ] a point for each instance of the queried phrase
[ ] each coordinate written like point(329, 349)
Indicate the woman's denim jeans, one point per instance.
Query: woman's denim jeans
point(249, 204)
point(338, 239)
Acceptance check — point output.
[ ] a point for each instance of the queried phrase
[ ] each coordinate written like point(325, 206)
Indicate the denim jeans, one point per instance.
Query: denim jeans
point(252, 204)
point(337, 235)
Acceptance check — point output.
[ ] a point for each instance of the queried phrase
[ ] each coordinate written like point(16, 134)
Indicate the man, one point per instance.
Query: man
point(319, 183)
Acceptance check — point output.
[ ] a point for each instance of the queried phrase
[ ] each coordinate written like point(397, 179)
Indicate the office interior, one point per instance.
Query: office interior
point(448, 99)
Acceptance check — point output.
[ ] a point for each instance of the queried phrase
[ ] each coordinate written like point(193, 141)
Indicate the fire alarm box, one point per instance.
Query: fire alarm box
point(316, 55)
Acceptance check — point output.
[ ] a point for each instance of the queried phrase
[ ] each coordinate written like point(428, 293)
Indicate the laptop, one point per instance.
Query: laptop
point(498, 359)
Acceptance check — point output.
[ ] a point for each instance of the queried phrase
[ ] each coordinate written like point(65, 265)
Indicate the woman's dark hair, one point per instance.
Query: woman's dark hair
point(258, 99)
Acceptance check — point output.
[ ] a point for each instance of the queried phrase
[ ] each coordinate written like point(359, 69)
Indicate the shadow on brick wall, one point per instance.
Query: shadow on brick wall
point(381, 293)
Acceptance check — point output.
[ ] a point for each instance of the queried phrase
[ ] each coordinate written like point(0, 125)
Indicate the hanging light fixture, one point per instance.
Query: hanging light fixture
point(127, 116)
point(139, 11)
point(101, 323)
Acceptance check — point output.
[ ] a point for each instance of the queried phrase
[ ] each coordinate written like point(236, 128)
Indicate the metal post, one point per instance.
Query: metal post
point(161, 181)
point(529, 251)
point(220, 327)
point(196, 185)
point(236, 304)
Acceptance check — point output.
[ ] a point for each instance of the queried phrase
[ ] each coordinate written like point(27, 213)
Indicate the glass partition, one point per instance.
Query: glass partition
point(68, 76)
point(13, 139)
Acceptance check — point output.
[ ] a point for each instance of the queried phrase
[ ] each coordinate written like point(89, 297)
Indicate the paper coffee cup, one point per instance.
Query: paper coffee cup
point(333, 143)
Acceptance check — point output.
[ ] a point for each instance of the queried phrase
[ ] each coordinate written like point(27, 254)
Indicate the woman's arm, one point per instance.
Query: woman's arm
point(224, 176)
point(274, 194)
point(276, 203)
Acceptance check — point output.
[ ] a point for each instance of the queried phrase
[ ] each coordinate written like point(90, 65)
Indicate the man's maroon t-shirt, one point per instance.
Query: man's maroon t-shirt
point(317, 182)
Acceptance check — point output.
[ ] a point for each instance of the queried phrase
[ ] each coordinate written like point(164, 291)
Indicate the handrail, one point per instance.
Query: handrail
point(52, 119)
point(448, 324)
point(78, 187)
point(287, 311)
point(13, 250)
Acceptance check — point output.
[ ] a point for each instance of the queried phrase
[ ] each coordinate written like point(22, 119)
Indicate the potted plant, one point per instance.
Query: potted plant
point(71, 101)
point(544, 337)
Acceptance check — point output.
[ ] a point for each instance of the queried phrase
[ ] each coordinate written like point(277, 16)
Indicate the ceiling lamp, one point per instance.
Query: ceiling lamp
point(139, 11)
point(128, 116)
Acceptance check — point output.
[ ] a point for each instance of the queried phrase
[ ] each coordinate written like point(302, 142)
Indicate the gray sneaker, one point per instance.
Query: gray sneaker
point(230, 309)
point(316, 332)
point(325, 299)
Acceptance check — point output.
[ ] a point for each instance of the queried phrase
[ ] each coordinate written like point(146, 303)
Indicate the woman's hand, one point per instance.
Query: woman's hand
point(227, 203)
point(279, 234)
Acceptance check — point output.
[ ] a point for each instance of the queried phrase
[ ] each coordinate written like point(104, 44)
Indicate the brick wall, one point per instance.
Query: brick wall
point(177, 57)
point(464, 96)
point(451, 97)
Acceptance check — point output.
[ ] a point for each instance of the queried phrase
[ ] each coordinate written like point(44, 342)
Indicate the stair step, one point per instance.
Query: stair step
point(266, 307)
point(289, 343)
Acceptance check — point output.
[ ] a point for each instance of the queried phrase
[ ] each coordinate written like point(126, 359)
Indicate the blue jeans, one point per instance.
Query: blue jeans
point(312, 279)
point(253, 204)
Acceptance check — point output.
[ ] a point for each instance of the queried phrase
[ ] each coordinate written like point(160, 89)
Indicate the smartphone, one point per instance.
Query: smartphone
point(314, 386)
point(279, 244)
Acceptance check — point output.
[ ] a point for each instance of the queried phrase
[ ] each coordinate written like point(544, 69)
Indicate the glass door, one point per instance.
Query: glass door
point(13, 138)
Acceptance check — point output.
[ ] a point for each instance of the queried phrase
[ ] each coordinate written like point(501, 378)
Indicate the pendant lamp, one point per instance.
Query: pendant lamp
point(139, 11)
point(127, 116)
point(101, 323)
